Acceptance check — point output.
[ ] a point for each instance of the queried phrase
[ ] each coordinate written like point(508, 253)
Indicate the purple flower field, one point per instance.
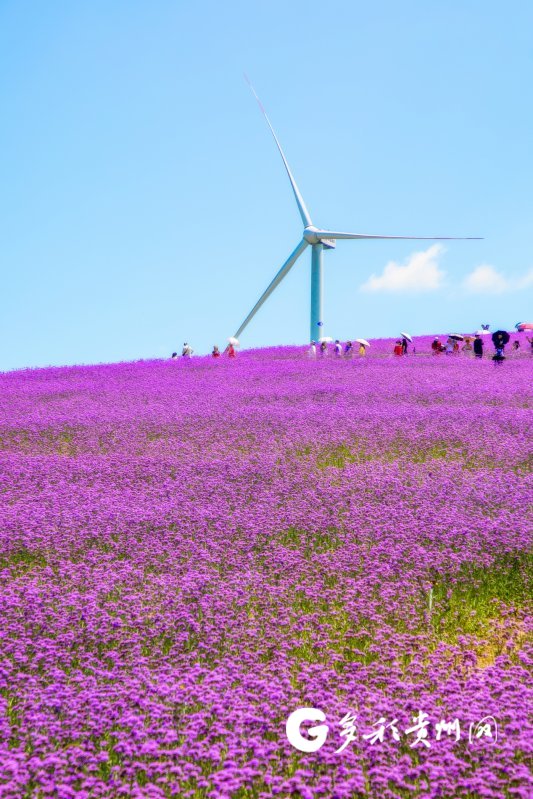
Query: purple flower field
point(192, 550)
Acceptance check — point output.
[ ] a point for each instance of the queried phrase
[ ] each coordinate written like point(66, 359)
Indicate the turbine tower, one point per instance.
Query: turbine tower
point(319, 240)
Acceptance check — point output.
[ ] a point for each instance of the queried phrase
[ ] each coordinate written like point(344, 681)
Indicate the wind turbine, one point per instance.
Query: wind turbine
point(319, 240)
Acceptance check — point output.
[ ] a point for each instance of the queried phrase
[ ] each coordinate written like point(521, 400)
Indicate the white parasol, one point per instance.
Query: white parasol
point(362, 341)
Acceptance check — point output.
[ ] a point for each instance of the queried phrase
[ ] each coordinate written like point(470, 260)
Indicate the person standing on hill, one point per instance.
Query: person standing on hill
point(348, 350)
point(398, 349)
point(499, 357)
point(231, 351)
point(323, 348)
point(216, 352)
point(404, 346)
point(435, 346)
point(467, 347)
point(338, 349)
point(478, 346)
point(312, 350)
point(187, 350)
point(449, 346)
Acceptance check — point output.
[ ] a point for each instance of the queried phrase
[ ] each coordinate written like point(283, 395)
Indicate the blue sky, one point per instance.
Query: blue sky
point(144, 203)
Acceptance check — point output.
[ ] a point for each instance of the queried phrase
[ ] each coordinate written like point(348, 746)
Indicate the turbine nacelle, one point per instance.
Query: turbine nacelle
point(311, 234)
point(314, 235)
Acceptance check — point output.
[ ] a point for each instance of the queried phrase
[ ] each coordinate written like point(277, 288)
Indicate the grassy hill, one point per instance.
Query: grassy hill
point(192, 550)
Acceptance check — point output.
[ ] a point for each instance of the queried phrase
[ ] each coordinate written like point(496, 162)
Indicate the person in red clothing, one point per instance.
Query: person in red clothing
point(231, 351)
point(216, 352)
point(398, 348)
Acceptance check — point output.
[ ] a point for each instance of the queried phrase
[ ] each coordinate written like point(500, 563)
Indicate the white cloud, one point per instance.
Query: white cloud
point(526, 281)
point(485, 279)
point(419, 273)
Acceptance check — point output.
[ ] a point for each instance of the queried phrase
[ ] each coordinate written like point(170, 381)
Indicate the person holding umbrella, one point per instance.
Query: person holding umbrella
point(363, 344)
point(405, 338)
point(500, 338)
point(452, 344)
point(230, 349)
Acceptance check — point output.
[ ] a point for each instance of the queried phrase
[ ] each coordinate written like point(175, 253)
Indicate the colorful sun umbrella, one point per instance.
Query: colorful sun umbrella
point(500, 338)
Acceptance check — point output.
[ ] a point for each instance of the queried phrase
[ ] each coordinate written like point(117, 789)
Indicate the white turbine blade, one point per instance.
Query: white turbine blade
point(304, 213)
point(333, 234)
point(289, 263)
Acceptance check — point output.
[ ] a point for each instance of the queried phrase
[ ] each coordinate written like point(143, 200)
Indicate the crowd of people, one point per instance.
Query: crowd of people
point(455, 344)
point(474, 346)
point(187, 351)
point(338, 351)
